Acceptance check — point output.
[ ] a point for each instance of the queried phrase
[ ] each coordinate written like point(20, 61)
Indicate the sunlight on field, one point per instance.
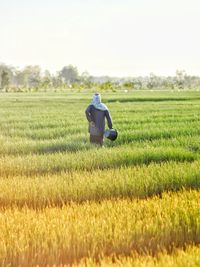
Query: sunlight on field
point(134, 202)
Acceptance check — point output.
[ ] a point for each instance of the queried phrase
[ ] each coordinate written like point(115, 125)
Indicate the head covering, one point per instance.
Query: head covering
point(96, 102)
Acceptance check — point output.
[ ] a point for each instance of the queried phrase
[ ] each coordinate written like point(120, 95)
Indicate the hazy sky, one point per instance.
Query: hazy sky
point(114, 37)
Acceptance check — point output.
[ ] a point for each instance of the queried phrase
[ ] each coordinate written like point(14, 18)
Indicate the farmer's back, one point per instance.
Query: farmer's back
point(98, 117)
point(96, 113)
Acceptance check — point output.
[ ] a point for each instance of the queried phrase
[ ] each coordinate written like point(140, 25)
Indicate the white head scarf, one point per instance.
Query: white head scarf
point(96, 102)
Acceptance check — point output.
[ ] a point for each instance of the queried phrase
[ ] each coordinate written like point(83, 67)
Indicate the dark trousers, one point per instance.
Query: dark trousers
point(98, 140)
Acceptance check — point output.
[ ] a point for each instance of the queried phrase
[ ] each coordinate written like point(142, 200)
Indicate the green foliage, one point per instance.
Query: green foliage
point(4, 79)
point(69, 74)
point(106, 86)
point(31, 78)
point(128, 85)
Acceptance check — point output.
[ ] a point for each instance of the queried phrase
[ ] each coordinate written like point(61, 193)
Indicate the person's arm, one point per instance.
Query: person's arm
point(88, 113)
point(109, 120)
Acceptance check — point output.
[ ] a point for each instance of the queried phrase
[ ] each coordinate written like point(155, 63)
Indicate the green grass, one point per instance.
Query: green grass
point(78, 186)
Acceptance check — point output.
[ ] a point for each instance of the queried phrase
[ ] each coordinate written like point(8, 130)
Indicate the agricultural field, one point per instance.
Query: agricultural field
point(134, 202)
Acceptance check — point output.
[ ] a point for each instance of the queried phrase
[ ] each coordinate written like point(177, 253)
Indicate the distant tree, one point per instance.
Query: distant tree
point(57, 81)
point(33, 75)
point(69, 74)
point(85, 76)
point(168, 83)
point(128, 85)
point(85, 79)
point(153, 81)
point(106, 86)
point(30, 76)
point(180, 78)
point(46, 80)
point(19, 78)
point(6, 76)
point(137, 83)
point(5, 80)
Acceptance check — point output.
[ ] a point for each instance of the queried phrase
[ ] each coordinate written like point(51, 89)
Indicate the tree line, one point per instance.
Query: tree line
point(32, 78)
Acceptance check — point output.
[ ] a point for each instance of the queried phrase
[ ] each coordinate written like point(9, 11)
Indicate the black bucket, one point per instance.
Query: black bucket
point(111, 134)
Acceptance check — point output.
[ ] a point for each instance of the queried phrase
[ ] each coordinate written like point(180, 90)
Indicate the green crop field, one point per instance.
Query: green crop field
point(134, 202)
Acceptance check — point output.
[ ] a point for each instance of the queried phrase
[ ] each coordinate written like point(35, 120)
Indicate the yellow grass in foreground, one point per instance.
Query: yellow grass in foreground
point(190, 257)
point(75, 231)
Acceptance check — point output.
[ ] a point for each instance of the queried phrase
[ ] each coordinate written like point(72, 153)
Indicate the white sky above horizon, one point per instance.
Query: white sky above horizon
point(103, 37)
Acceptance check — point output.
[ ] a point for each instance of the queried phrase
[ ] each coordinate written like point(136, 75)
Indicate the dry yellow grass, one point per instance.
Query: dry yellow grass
point(189, 257)
point(68, 234)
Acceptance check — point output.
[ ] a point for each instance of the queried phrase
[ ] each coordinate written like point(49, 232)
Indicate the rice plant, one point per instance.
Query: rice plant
point(134, 202)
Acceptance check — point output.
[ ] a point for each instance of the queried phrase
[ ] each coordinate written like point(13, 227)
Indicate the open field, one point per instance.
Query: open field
point(134, 202)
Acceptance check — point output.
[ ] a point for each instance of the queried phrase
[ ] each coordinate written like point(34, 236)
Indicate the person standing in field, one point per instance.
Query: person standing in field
point(96, 113)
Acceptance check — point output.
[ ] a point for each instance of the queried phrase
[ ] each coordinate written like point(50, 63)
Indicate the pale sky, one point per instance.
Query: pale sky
point(104, 37)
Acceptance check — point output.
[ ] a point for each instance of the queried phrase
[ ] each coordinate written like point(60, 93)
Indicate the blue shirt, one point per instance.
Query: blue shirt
point(98, 117)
